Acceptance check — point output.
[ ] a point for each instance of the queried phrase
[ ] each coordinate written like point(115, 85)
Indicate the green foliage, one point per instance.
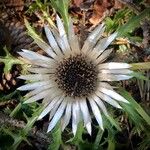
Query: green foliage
point(62, 8)
point(133, 23)
point(112, 24)
point(6, 139)
point(98, 139)
point(9, 61)
point(32, 32)
point(111, 144)
point(139, 75)
point(44, 8)
point(145, 144)
point(4, 98)
point(78, 137)
point(18, 138)
point(56, 141)
point(134, 110)
point(141, 66)
point(21, 134)
point(113, 122)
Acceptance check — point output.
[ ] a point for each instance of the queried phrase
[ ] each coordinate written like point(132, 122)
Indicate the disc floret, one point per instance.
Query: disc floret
point(76, 76)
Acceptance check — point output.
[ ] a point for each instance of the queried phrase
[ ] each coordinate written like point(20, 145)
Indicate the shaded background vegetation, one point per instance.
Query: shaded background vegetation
point(130, 129)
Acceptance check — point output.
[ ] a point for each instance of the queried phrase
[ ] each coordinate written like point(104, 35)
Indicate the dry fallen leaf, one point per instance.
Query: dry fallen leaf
point(77, 2)
point(118, 4)
point(99, 9)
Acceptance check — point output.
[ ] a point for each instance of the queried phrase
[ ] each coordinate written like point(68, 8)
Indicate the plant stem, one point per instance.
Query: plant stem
point(14, 112)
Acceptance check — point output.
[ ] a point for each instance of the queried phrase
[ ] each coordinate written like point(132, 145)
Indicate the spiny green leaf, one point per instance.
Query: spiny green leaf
point(112, 24)
point(43, 8)
point(139, 66)
point(62, 8)
point(9, 61)
point(135, 106)
point(23, 133)
point(31, 31)
point(111, 144)
point(133, 115)
point(98, 139)
point(56, 138)
point(133, 23)
point(15, 111)
point(8, 97)
point(78, 137)
point(114, 122)
point(139, 75)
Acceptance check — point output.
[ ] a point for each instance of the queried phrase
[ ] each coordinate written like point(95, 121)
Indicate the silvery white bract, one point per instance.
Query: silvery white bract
point(71, 76)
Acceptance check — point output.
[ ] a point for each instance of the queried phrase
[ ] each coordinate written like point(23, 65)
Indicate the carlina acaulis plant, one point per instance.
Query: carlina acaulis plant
point(71, 79)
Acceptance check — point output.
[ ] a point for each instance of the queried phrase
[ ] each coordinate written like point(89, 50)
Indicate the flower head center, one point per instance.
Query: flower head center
point(77, 76)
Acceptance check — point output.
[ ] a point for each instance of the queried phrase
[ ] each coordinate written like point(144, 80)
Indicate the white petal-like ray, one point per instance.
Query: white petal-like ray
point(49, 107)
point(104, 43)
point(39, 89)
point(59, 41)
point(44, 46)
point(57, 115)
point(75, 116)
point(113, 65)
point(41, 70)
point(67, 115)
point(60, 27)
point(100, 104)
point(108, 99)
point(104, 56)
point(93, 38)
point(41, 63)
point(37, 59)
point(89, 128)
point(37, 97)
point(54, 100)
point(34, 56)
point(35, 77)
point(105, 85)
point(62, 32)
point(116, 71)
point(85, 114)
point(53, 92)
point(112, 77)
point(32, 86)
point(96, 113)
point(73, 40)
point(54, 109)
point(52, 40)
point(113, 94)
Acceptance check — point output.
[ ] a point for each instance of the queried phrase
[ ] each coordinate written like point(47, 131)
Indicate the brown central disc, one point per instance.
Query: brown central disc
point(76, 76)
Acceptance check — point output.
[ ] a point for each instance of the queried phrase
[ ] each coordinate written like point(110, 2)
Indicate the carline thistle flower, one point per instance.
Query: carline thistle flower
point(71, 79)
